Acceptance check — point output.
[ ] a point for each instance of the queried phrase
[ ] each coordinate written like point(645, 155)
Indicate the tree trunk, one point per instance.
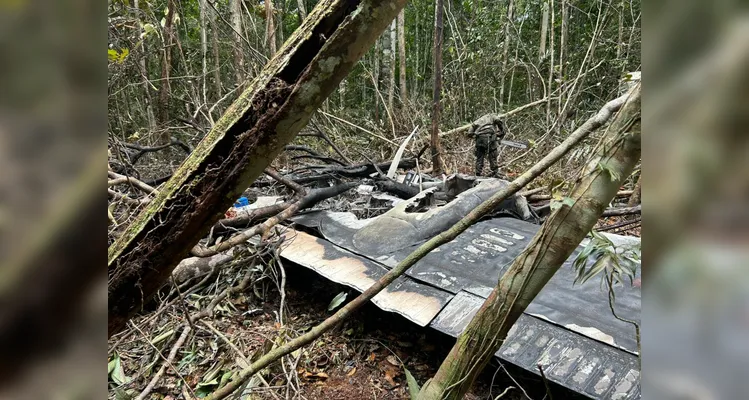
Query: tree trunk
point(551, 62)
point(236, 23)
point(144, 73)
point(532, 269)
point(544, 30)
point(391, 77)
point(302, 10)
point(376, 81)
point(215, 45)
point(437, 71)
point(505, 49)
point(203, 6)
point(166, 66)
point(636, 197)
point(402, 55)
point(270, 28)
point(386, 67)
point(620, 36)
point(267, 116)
point(562, 55)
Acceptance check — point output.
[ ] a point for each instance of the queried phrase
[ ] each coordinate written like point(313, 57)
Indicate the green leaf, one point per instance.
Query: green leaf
point(225, 378)
point(594, 270)
point(162, 336)
point(148, 29)
point(118, 373)
point(111, 364)
point(113, 55)
point(337, 301)
point(413, 386)
point(212, 382)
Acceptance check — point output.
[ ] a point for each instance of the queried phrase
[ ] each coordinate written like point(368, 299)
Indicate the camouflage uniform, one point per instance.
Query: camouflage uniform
point(489, 130)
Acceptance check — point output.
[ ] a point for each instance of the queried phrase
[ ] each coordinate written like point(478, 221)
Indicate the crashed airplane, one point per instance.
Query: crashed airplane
point(568, 330)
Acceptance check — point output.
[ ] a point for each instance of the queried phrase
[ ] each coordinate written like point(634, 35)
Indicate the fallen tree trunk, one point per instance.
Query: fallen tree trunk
point(267, 116)
point(546, 252)
point(545, 197)
point(361, 170)
point(616, 212)
point(474, 216)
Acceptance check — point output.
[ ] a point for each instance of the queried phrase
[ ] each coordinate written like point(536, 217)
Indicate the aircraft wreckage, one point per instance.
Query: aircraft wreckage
point(568, 330)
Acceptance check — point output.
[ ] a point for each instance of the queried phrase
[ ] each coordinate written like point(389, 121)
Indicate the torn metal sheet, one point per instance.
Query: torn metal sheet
point(572, 360)
point(418, 303)
point(573, 329)
point(478, 257)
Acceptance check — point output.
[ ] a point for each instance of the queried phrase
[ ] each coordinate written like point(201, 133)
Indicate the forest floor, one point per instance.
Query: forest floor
point(361, 359)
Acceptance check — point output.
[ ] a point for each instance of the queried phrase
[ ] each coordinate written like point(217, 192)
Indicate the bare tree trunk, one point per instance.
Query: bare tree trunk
point(402, 55)
point(144, 74)
point(302, 10)
point(505, 49)
point(166, 66)
point(636, 197)
point(376, 81)
point(437, 71)
point(236, 23)
point(216, 56)
point(544, 30)
point(620, 36)
point(270, 28)
point(562, 55)
point(254, 130)
point(391, 77)
point(203, 5)
point(551, 62)
point(532, 269)
point(386, 66)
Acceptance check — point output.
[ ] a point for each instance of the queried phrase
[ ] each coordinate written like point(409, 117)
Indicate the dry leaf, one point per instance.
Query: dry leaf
point(371, 357)
point(389, 377)
point(352, 372)
point(315, 376)
point(392, 360)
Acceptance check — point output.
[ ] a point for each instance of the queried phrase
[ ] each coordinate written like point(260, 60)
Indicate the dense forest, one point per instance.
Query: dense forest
point(175, 66)
point(240, 132)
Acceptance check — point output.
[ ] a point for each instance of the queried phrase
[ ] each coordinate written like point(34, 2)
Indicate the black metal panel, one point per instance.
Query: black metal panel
point(570, 359)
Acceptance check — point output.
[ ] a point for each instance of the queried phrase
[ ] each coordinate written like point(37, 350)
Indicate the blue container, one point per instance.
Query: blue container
point(241, 202)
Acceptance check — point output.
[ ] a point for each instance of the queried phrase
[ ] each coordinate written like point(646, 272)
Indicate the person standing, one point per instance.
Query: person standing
point(488, 130)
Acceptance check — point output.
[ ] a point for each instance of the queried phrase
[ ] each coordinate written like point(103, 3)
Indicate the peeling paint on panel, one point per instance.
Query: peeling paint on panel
point(604, 382)
point(506, 233)
point(570, 358)
point(629, 381)
point(585, 369)
point(349, 269)
point(592, 333)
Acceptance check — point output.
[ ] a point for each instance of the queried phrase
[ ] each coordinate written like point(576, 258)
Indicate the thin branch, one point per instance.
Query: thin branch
point(503, 115)
point(351, 124)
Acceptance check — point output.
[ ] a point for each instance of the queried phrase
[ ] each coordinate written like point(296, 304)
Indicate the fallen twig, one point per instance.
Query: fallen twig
point(615, 212)
point(167, 362)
